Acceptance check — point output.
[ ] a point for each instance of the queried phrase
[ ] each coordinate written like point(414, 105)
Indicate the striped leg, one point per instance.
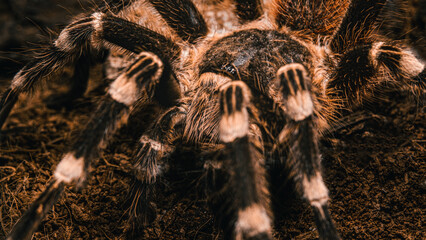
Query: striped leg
point(140, 78)
point(94, 31)
point(306, 166)
point(237, 177)
point(369, 65)
point(79, 80)
point(363, 63)
point(150, 164)
point(304, 158)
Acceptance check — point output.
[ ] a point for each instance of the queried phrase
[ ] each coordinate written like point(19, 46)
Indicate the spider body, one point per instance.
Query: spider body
point(255, 98)
point(254, 52)
point(255, 58)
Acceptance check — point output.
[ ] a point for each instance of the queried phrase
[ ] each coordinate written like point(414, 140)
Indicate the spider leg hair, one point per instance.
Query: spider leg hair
point(306, 171)
point(183, 17)
point(94, 31)
point(357, 25)
point(364, 67)
point(293, 92)
point(32, 218)
point(315, 18)
point(113, 111)
point(405, 20)
point(113, 6)
point(236, 177)
point(78, 81)
point(150, 163)
point(248, 10)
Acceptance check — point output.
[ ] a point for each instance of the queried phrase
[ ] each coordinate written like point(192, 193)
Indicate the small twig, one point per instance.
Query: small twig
point(52, 142)
point(351, 119)
point(19, 150)
point(11, 175)
point(419, 146)
point(105, 234)
point(1, 221)
point(110, 164)
point(201, 227)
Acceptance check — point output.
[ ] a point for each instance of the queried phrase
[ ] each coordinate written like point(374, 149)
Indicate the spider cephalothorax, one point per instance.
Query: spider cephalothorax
point(257, 96)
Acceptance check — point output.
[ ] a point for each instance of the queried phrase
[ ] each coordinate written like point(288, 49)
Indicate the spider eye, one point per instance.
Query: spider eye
point(229, 68)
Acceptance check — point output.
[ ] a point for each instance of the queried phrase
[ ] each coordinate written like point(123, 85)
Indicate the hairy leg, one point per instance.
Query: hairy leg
point(292, 92)
point(315, 18)
point(248, 10)
point(112, 112)
point(95, 32)
point(183, 17)
point(236, 178)
point(151, 163)
point(363, 68)
point(78, 85)
point(357, 25)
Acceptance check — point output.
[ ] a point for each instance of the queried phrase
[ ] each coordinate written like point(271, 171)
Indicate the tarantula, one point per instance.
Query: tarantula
point(253, 98)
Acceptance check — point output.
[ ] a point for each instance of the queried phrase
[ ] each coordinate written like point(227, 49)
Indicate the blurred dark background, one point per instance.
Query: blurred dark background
point(27, 24)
